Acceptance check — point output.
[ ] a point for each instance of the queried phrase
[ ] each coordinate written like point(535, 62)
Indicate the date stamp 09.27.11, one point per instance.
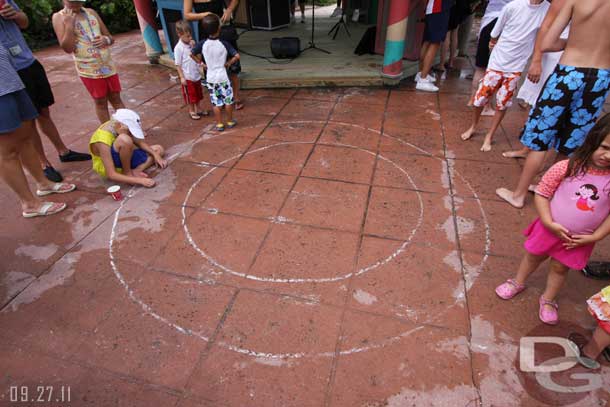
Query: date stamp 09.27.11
point(39, 395)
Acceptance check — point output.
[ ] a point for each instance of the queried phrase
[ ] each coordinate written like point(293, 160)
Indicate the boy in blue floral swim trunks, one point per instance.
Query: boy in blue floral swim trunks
point(215, 53)
point(573, 96)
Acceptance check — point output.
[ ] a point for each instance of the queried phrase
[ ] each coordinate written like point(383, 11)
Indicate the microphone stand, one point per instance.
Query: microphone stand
point(312, 44)
point(340, 23)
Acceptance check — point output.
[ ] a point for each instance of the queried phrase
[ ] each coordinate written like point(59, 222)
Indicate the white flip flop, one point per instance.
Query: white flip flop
point(56, 189)
point(47, 208)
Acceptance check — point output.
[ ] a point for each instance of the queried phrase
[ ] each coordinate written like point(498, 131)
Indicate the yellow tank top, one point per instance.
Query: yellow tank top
point(105, 134)
point(91, 62)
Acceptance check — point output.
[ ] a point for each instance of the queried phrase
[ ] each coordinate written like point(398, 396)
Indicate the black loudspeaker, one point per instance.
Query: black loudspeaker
point(285, 47)
point(269, 14)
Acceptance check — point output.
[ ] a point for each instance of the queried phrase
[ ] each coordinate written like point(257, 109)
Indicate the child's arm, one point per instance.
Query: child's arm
point(63, 25)
point(231, 52)
point(178, 59)
point(232, 60)
point(600, 233)
point(543, 206)
point(552, 41)
point(113, 175)
point(197, 54)
point(160, 161)
point(544, 192)
point(181, 75)
point(499, 26)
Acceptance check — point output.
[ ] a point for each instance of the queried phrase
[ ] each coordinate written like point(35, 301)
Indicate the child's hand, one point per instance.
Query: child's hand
point(580, 240)
point(533, 74)
point(183, 81)
point(147, 182)
point(99, 42)
point(560, 231)
point(69, 17)
point(492, 43)
point(162, 163)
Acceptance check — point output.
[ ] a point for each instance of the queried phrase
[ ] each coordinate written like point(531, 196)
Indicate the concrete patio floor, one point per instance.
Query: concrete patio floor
point(339, 247)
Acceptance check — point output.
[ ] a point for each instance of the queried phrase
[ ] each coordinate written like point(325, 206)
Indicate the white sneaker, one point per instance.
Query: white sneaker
point(336, 13)
point(426, 86)
point(356, 15)
point(430, 78)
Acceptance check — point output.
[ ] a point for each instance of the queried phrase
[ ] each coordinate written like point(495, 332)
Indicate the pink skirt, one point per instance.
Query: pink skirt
point(541, 241)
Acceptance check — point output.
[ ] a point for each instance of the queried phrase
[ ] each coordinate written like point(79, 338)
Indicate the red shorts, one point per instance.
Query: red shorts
point(605, 325)
point(100, 87)
point(192, 92)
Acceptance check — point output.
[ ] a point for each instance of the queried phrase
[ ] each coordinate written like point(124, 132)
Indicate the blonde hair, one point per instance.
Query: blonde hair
point(183, 27)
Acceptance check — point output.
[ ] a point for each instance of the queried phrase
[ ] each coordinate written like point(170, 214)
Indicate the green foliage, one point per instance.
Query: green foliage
point(119, 16)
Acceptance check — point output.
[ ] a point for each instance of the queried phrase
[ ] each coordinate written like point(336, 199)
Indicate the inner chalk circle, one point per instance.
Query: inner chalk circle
point(363, 270)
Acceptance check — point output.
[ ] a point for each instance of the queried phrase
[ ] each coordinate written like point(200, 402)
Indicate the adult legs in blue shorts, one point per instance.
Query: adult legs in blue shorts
point(435, 31)
point(565, 111)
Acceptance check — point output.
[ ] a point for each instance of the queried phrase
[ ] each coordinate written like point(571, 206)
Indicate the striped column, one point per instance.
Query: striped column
point(395, 38)
point(148, 27)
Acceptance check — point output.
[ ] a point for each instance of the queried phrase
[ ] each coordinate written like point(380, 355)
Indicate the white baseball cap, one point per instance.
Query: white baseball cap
point(130, 119)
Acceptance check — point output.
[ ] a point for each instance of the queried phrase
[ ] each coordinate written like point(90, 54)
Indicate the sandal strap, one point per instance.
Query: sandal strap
point(515, 284)
point(46, 207)
point(553, 304)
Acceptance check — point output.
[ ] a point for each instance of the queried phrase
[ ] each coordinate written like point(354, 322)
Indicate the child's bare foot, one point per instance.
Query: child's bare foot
point(516, 153)
point(486, 146)
point(508, 196)
point(467, 134)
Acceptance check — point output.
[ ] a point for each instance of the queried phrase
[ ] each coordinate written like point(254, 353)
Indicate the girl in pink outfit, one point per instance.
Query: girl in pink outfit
point(573, 204)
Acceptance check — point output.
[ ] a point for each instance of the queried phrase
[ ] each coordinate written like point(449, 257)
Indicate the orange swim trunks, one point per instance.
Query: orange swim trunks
point(503, 84)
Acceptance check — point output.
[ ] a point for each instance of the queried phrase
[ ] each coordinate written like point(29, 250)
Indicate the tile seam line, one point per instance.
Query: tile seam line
point(264, 292)
point(339, 342)
point(459, 248)
point(296, 180)
point(237, 160)
point(205, 352)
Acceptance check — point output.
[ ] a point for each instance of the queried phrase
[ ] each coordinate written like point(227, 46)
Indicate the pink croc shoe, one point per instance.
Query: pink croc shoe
point(509, 289)
point(550, 317)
